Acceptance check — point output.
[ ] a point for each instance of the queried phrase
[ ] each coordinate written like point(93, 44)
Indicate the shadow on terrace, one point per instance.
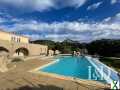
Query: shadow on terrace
point(39, 87)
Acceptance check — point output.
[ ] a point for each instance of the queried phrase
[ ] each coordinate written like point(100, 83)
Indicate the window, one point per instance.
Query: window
point(13, 38)
point(18, 40)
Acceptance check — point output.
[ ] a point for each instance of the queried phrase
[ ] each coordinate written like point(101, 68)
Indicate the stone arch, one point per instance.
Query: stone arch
point(3, 49)
point(22, 50)
point(3, 59)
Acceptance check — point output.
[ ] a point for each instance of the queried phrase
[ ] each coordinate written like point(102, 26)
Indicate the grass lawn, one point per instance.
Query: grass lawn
point(114, 63)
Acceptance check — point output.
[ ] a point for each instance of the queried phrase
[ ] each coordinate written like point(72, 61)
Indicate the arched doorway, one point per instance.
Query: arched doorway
point(3, 59)
point(22, 51)
point(3, 50)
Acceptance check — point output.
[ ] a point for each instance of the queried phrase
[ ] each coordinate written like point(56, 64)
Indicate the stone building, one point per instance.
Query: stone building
point(17, 45)
point(12, 37)
point(57, 52)
point(50, 53)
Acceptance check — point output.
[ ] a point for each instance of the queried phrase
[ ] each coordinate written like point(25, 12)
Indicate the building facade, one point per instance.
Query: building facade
point(11, 37)
point(17, 45)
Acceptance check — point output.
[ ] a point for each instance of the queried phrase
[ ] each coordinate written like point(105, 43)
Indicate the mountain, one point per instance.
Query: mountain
point(70, 41)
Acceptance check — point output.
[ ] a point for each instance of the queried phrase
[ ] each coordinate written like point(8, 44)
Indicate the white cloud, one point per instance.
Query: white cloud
point(69, 3)
point(118, 15)
point(9, 19)
point(115, 19)
point(41, 5)
point(115, 1)
point(94, 6)
point(2, 20)
point(107, 19)
point(58, 31)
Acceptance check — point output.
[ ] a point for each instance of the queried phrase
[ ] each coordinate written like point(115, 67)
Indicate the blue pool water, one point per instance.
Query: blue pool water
point(78, 67)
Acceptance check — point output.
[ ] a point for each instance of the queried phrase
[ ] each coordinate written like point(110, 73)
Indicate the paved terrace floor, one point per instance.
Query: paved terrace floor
point(20, 79)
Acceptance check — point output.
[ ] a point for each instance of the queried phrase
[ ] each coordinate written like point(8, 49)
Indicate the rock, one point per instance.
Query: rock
point(3, 61)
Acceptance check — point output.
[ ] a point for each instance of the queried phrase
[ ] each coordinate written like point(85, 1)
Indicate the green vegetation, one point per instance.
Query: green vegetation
point(67, 46)
point(109, 48)
point(114, 63)
point(49, 43)
point(104, 47)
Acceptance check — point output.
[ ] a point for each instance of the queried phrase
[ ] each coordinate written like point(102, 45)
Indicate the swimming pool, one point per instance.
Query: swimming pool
point(76, 67)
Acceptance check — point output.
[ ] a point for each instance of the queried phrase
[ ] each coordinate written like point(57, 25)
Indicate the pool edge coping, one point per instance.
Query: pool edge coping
point(96, 59)
point(62, 77)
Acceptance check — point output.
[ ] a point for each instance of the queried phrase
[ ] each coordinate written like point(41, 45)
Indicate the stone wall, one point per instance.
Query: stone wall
point(3, 62)
point(33, 49)
point(50, 53)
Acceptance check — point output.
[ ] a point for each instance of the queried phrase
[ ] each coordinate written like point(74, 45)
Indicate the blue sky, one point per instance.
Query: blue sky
point(81, 20)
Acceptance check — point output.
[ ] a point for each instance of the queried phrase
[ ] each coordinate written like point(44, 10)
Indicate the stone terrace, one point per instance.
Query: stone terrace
point(20, 79)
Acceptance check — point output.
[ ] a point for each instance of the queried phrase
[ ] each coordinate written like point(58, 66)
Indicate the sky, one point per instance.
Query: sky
point(57, 20)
